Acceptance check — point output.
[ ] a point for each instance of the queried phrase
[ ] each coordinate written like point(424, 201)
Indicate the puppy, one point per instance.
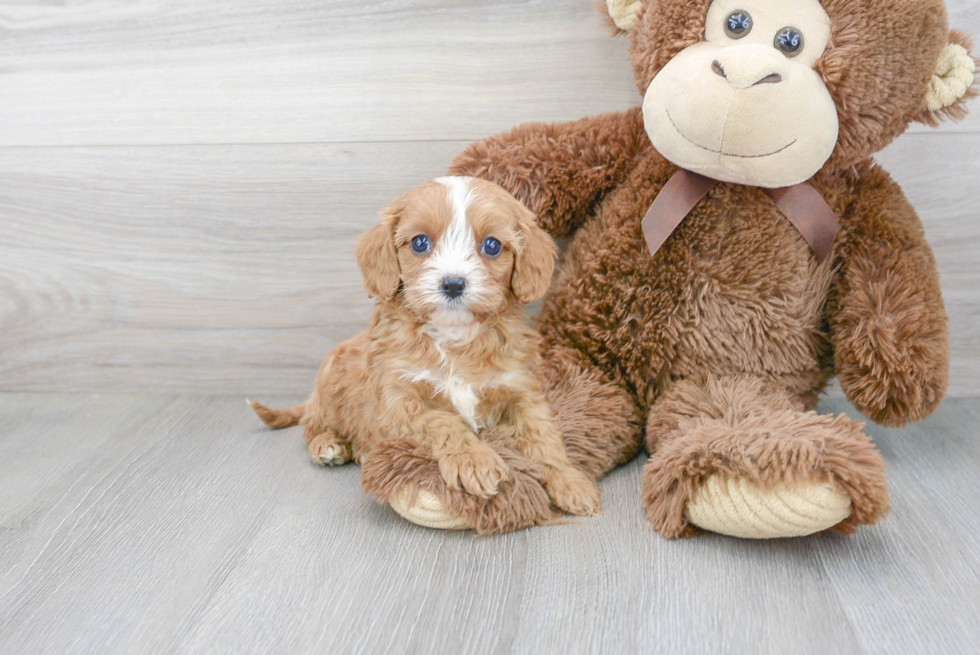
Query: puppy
point(447, 352)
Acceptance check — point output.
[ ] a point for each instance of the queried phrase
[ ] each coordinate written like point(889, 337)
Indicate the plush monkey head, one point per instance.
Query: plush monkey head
point(769, 92)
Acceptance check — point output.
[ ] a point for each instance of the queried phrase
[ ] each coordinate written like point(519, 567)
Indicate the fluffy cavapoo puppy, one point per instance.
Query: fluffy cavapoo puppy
point(447, 353)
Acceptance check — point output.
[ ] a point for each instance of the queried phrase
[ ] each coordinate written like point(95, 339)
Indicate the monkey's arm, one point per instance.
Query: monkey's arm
point(888, 324)
point(558, 170)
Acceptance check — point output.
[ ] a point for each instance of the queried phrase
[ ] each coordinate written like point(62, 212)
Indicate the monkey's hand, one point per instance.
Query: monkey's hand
point(890, 335)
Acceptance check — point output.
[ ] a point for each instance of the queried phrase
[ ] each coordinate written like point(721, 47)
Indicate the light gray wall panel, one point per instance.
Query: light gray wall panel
point(181, 183)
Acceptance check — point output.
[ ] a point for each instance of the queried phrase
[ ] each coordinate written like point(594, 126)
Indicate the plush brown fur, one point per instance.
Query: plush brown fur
point(395, 398)
point(520, 501)
point(716, 347)
point(743, 426)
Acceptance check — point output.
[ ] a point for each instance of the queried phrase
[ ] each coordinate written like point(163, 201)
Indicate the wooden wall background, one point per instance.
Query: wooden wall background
point(181, 181)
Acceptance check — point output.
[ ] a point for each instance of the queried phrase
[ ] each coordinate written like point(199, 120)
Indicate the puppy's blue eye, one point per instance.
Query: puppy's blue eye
point(420, 244)
point(491, 247)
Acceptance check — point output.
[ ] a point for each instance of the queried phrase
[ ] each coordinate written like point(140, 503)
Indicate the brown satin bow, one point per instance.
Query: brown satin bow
point(803, 205)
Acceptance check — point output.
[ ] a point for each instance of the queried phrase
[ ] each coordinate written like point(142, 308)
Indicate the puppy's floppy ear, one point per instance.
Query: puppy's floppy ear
point(378, 257)
point(534, 259)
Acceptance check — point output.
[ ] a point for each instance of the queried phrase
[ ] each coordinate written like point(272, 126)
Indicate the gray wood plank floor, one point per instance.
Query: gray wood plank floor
point(162, 524)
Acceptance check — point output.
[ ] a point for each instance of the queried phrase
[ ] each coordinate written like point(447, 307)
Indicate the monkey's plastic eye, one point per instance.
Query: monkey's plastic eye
point(738, 24)
point(420, 244)
point(491, 247)
point(789, 41)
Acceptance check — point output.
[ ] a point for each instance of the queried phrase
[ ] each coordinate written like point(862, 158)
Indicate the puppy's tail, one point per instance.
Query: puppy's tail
point(279, 418)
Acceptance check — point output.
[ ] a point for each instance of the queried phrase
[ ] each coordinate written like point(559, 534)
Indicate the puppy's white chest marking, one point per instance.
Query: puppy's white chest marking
point(454, 387)
point(462, 395)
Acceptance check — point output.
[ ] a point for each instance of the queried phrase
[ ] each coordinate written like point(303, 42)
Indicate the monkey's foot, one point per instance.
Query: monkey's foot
point(739, 508)
point(743, 457)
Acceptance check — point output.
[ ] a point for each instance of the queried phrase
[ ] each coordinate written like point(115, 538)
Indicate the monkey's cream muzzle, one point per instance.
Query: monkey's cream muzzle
point(741, 113)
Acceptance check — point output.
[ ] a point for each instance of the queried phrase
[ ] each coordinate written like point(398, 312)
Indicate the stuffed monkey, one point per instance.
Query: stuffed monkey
point(733, 247)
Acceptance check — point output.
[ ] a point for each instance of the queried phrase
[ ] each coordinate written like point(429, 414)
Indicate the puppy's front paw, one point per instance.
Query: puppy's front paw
point(478, 470)
point(573, 491)
point(329, 450)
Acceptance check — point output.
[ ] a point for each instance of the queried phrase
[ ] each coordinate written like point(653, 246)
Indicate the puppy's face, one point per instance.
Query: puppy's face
point(457, 249)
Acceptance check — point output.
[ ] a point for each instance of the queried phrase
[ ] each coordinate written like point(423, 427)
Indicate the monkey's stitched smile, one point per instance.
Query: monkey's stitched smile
point(720, 152)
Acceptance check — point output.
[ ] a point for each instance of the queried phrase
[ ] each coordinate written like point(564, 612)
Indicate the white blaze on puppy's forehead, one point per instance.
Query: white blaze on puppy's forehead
point(458, 237)
point(455, 253)
point(459, 194)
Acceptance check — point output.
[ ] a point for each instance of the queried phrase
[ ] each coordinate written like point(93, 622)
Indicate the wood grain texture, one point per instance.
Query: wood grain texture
point(176, 524)
point(172, 71)
point(177, 71)
point(181, 183)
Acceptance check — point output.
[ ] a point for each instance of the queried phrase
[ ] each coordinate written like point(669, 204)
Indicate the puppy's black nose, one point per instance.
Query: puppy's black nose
point(453, 286)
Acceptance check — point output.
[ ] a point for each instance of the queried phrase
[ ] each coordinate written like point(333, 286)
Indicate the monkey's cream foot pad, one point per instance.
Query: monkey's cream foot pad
point(427, 511)
point(739, 508)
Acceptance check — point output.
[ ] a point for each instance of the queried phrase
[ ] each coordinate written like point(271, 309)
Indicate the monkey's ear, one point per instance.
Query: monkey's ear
point(952, 83)
point(534, 261)
point(621, 12)
point(378, 257)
